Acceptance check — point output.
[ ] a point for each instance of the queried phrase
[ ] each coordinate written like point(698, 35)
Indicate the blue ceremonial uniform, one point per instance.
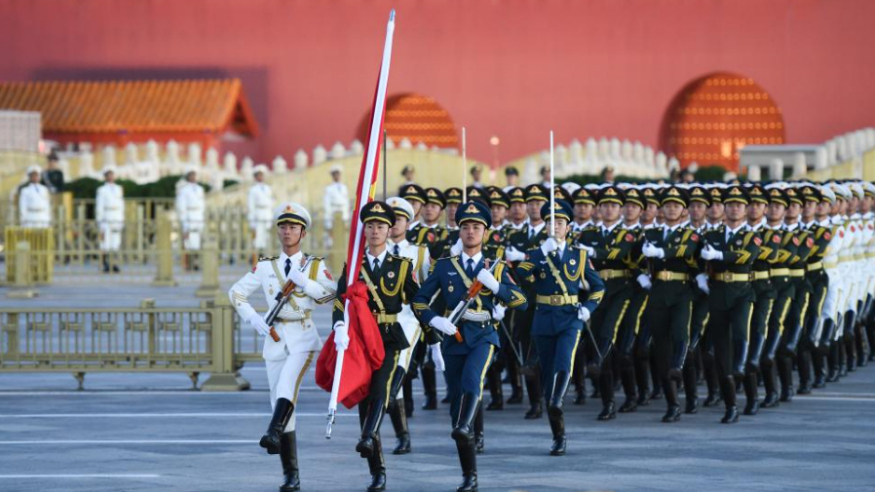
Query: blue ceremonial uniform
point(466, 361)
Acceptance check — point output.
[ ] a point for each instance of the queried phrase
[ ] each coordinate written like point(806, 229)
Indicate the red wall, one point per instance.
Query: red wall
point(512, 68)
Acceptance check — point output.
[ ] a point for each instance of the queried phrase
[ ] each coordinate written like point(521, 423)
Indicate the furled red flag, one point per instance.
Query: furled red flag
point(348, 382)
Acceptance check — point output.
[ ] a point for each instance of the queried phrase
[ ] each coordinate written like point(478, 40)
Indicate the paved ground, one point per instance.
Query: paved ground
point(149, 432)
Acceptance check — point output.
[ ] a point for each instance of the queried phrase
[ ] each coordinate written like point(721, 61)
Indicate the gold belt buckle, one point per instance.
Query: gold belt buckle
point(556, 300)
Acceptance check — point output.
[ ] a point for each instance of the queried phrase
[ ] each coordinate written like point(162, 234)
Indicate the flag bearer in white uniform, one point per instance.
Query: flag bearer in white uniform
point(288, 359)
point(109, 210)
point(418, 254)
point(259, 212)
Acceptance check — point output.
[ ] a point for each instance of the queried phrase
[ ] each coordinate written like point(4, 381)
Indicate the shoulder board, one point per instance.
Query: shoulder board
point(267, 258)
point(314, 258)
point(402, 258)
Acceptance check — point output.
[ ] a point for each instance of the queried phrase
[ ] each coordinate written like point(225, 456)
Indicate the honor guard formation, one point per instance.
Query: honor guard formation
point(645, 289)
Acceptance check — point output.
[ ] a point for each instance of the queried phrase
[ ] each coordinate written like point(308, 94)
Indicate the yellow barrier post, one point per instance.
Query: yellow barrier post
point(225, 376)
point(164, 253)
point(21, 284)
point(210, 269)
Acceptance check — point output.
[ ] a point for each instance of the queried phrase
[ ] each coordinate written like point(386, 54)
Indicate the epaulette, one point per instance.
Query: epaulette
point(403, 258)
point(267, 258)
point(314, 258)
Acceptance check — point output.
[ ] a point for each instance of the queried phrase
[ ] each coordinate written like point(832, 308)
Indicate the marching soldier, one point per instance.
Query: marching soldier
point(414, 194)
point(730, 251)
point(34, 202)
point(391, 283)
point(469, 353)
point(421, 262)
point(429, 231)
point(335, 201)
point(288, 357)
point(764, 292)
point(260, 210)
point(714, 220)
point(670, 252)
point(109, 211)
point(609, 246)
point(700, 201)
point(557, 271)
point(190, 206)
point(530, 236)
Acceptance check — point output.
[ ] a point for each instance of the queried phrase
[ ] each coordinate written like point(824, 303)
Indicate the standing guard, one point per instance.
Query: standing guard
point(109, 211)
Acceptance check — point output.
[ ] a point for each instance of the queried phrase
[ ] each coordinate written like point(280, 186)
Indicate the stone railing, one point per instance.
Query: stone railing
point(847, 156)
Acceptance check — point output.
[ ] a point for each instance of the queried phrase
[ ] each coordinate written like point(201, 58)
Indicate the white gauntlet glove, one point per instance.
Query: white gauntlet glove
point(583, 314)
point(549, 246)
point(513, 254)
point(456, 248)
point(443, 325)
point(341, 336)
point(644, 281)
point(259, 325)
point(437, 357)
point(652, 251)
point(702, 282)
point(488, 280)
point(297, 277)
point(498, 312)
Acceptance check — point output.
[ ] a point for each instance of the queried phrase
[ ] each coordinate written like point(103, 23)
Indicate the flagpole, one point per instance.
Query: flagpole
point(385, 165)
point(464, 166)
point(552, 192)
point(365, 193)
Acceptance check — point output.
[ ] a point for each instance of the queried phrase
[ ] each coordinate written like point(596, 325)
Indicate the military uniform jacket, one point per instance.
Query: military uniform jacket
point(680, 247)
point(190, 206)
point(762, 265)
point(388, 290)
point(611, 252)
point(739, 253)
point(560, 278)
point(787, 256)
point(521, 241)
point(433, 238)
point(448, 285)
point(34, 205)
point(294, 326)
point(259, 202)
point(109, 206)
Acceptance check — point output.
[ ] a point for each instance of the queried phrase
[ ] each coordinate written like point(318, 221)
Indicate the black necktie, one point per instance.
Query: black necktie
point(288, 266)
point(376, 265)
point(470, 268)
point(397, 250)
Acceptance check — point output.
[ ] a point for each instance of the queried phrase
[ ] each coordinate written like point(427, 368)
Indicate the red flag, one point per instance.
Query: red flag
point(364, 346)
point(364, 355)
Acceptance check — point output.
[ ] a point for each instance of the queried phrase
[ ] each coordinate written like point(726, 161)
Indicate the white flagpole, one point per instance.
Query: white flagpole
point(464, 166)
point(364, 197)
point(552, 192)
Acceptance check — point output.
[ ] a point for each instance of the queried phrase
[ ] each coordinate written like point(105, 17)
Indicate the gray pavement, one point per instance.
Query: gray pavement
point(143, 432)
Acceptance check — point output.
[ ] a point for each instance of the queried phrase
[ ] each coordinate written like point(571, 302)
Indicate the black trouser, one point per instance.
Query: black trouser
point(606, 322)
point(728, 329)
point(670, 326)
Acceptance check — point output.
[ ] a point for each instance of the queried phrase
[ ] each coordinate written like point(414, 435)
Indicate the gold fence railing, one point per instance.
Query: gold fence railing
point(207, 338)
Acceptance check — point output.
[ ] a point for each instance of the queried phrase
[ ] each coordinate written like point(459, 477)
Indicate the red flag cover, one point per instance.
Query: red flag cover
point(364, 355)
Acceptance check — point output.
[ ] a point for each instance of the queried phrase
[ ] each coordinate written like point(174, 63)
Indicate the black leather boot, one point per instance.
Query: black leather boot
point(785, 374)
point(407, 391)
point(377, 466)
point(463, 431)
point(533, 387)
point(367, 445)
point(673, 414)
point(803, 364)
point(627, 376)
point(516, 385)
point(843, 359)
point(282, 412)
point(468, 460)
point(751, 393)
point(727, 387)
point(642, 381)
point(557, 426)
point(606, 387)
point(833, 360)
point(691, 391)
point(818, 365)
point(479, 434)
point(429, 386)
point(289, 459)
point(770, 376)
point(399, 423)
point(495, 390)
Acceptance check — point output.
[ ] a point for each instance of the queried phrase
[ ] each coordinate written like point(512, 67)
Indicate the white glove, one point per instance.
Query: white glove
point(590, 251)
point(488, 280)
point(652, 251)
point(456, 248)
point(498, 312)
point(437, 357)
point(549, 246)
point(702, 282)
point(709, 253)
point(513, 254)
point(644, 281)
point(341, 335)
point(443, 325)
point(297, 277)
point(583, 314)
point(259, 325)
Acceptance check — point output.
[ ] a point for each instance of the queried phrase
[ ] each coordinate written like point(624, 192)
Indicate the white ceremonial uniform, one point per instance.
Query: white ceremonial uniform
point(109, 211)
point(833, 270)
point(260, 214)
point(289, 359)
point(35, 206)
point(412, 330)
point(335, 199)
point(190, 206)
